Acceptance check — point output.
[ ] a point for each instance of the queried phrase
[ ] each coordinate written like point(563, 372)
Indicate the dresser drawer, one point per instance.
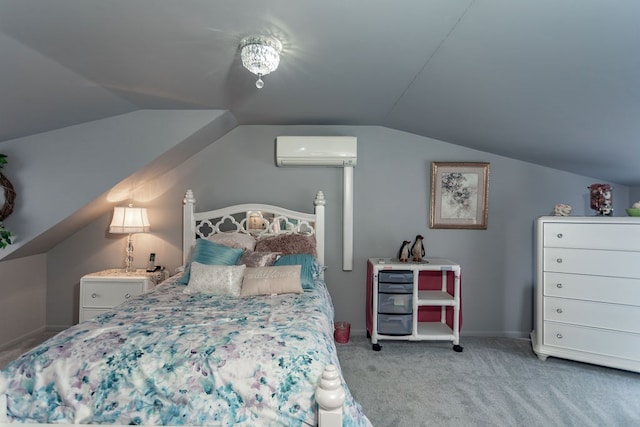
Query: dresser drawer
point(620, 237)
point(106, 294)
point(593, 288)
point(589, 261)
point(589, 313)
point(597, 341)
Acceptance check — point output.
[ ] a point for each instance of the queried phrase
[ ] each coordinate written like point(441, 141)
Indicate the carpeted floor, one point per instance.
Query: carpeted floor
point(13, 352)
point(493, 382)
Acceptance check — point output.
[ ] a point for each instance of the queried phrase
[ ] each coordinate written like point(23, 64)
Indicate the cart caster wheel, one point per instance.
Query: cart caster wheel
point(376, 347)
point(457, 348)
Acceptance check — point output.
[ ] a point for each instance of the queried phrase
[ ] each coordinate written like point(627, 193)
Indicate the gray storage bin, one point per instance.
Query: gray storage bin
point(396, 288)
point(395, 276)
point(395, 303)
point(394, 324)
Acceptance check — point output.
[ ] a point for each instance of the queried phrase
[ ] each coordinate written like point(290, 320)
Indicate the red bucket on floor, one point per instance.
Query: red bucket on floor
point(341, 332)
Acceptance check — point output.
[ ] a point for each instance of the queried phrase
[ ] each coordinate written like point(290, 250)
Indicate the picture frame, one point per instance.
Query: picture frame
point(459, 195)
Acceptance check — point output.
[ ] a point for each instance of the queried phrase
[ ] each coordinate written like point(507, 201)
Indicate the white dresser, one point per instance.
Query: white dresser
point(106, 289)
point(587, 298)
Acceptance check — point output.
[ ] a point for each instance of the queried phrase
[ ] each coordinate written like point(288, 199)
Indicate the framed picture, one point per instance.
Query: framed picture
point(459, 195)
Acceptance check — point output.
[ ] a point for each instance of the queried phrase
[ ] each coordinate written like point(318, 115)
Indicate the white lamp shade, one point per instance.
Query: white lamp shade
point(128, 220)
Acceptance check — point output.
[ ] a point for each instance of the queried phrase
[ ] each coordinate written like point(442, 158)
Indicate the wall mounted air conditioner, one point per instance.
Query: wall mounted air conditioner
point(337, 151)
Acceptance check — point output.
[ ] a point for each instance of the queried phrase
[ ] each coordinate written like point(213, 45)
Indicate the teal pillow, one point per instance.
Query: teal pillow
point(306, 262)
point(210, 253)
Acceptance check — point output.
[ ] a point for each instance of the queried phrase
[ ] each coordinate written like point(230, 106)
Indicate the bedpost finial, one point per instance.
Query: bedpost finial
point(189, 198)
point(320, 200)
point(330, 395)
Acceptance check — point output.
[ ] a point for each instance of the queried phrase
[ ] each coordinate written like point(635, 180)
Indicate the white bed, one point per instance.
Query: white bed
point(203, 352)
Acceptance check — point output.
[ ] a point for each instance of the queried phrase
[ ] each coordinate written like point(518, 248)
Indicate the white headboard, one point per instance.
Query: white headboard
point(251, 218)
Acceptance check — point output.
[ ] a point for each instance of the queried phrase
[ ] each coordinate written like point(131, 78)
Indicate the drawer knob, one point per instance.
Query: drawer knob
point(559, 285)
point(94, 295)
point(559, 235)
point(559, 310)
point(559, 260)
point(127, 296)
point(559, 336)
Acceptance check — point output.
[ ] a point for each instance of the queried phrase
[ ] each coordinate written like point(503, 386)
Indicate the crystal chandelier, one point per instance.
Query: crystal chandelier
point(260, 55)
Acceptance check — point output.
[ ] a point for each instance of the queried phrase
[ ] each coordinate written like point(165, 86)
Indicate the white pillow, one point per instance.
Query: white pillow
point(271, 280)
point(215, 279)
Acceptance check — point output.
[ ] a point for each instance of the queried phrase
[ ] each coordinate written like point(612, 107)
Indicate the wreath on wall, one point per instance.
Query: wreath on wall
point(9, 196)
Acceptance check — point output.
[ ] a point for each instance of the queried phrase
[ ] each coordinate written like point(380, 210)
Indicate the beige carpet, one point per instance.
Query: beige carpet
point(16, 350)
point(493, 382)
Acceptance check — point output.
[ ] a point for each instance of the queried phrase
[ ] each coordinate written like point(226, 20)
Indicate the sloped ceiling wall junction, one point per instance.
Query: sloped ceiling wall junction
point(62, 177)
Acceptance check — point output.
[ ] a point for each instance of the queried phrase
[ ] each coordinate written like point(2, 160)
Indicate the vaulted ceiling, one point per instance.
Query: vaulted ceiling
point(553, 82)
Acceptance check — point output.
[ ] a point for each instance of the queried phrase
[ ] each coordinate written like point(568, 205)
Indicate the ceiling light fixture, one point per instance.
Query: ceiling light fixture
point(260, 55)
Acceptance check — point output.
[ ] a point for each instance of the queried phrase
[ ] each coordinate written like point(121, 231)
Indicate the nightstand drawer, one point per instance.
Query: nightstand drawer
point(109, 294)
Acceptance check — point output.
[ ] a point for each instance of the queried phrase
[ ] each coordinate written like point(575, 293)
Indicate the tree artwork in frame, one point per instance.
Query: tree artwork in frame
point(459, 195)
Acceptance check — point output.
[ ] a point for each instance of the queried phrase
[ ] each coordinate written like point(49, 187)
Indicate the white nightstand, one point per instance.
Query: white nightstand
point(103, 290)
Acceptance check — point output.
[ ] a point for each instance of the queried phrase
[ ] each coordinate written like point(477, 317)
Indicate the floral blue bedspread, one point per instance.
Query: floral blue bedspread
point(167, 358)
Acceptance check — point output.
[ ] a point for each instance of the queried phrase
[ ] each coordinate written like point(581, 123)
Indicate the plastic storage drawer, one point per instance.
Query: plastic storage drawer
point(396, 324)
point(395, 276)
point(395, 303)
point(396, 288)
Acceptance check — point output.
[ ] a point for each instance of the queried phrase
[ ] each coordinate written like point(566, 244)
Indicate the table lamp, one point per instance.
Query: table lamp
point(129, 220)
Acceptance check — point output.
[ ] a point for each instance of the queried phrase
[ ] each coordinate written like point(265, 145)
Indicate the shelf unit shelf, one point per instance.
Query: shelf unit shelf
point(434, 331)
point(435, 298)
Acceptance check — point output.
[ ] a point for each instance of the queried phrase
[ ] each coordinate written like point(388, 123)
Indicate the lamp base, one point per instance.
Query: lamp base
point(129, 268)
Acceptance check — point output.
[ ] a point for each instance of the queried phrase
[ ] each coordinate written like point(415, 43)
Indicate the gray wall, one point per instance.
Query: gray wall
point(391, 204)
point(634, 196)
point(24, 293)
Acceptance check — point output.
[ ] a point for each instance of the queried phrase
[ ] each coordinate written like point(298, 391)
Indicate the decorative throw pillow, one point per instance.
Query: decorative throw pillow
point(317, 270)
point(271, 280)
point(288, 244)
point(234, 240)
point(210, 253)
point(258, 259)
point(306, 263)
point(215, 279)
